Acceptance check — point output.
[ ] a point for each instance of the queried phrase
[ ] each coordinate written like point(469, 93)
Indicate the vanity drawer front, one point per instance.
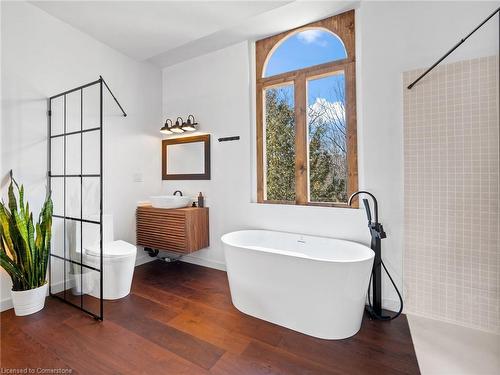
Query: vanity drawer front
point(182, 230)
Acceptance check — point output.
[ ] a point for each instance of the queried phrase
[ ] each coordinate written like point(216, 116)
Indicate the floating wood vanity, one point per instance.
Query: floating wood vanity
point(181, 230)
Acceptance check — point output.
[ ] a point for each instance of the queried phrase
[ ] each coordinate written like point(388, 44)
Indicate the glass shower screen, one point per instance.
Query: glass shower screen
point(75, 181)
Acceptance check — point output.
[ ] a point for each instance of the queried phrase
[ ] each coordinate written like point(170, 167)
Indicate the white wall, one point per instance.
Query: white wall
point(42, 56)
point(217, 89)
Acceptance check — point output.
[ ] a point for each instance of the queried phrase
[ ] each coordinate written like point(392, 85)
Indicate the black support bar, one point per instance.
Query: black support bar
point(76, 219)
point(452, 49)
point(88, 85)
point(97, 317)
point(75, 132)
point(75, 89)
point(73, 175)
point(116, 100)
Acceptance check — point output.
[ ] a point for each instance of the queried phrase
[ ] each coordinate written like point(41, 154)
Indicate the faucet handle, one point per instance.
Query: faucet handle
point(380, 230)
point(382, 233)
point(368, 210)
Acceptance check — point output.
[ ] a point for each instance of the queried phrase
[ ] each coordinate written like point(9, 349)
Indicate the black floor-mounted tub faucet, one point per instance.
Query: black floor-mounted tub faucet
point(377, 234)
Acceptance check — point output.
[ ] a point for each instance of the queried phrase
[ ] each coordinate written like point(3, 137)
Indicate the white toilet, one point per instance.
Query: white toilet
point(118, 262)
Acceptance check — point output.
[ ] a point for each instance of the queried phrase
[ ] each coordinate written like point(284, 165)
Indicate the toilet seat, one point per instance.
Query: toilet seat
point(113, 249)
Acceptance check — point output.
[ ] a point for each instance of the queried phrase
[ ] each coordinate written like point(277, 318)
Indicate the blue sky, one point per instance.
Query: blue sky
point(307, 48)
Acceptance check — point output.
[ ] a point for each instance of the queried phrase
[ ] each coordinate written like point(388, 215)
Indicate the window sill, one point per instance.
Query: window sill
point(311, 204)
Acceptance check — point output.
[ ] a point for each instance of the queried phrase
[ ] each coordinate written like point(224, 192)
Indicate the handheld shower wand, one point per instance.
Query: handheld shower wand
point(377, 234)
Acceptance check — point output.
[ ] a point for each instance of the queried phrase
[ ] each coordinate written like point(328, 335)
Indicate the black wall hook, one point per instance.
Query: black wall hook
point(226, 139)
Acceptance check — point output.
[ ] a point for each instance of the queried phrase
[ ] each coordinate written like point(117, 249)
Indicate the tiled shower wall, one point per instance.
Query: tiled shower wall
point(451, 169)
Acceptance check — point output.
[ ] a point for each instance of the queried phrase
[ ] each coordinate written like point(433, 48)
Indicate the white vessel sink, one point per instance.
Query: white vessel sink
point(170, 201)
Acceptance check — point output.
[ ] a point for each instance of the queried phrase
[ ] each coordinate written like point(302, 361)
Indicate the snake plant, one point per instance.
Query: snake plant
point(24, 247)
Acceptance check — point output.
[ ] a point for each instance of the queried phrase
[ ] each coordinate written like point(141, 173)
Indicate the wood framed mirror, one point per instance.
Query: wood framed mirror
point(186, 158)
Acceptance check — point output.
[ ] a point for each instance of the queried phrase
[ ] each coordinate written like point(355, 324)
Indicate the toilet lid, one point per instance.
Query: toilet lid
point(113, 249)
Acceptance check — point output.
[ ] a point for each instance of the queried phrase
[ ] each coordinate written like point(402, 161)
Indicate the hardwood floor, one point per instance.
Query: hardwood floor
point(179, 320)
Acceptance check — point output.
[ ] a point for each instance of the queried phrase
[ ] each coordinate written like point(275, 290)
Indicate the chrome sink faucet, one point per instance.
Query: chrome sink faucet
point(178, 191)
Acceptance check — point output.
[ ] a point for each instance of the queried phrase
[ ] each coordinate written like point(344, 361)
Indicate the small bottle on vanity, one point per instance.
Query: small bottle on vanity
point(201, 200)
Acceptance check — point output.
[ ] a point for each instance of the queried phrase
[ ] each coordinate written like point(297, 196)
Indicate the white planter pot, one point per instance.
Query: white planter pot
point(30, 301)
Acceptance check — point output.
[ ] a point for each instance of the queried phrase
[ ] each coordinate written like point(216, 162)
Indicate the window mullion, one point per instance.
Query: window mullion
point(352, 154)
point(301, 174)
point(261, 167)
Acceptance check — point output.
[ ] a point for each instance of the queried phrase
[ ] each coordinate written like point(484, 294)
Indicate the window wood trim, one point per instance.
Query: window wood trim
point(343, 26)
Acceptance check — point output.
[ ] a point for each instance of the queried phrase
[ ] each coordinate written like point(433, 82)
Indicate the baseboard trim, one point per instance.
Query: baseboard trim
point(221, 266)
point(139, 261)
point(188, 258)
point(6, 304)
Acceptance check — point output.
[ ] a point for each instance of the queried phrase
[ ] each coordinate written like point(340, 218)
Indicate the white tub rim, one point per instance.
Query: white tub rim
point(225, 238)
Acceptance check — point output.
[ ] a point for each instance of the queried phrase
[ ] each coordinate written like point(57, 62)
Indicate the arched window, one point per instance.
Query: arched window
point(306, 114)
point(303, 49)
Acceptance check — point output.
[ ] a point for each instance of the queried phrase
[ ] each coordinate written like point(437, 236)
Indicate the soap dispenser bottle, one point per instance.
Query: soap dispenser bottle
point(201, 200)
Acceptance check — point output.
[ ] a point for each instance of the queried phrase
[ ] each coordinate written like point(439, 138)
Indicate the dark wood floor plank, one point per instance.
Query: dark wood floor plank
point(80, 353)
point(223, 338)
point(286, 362)
point(140, 355)
point(200, 352)
point(136, 305)
point(53, 311)
point(217, 300)
point(21, 350)
point(230, 319)
point(179, 319)
point(207, 286)
point(371, 355)
point(262, 359)
point(231, 364)
point(242, 324)
point(182, 273)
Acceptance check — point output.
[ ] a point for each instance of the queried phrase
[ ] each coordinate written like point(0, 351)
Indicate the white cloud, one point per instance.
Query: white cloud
point(327, 110)
point(312, 37)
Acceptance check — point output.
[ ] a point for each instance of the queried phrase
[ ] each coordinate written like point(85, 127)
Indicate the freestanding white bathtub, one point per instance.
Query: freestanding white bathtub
point(313, 285)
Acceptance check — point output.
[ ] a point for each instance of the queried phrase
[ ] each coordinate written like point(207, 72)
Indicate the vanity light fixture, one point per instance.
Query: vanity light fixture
point(190, 126)
point(177, 128)
point(166, 128)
